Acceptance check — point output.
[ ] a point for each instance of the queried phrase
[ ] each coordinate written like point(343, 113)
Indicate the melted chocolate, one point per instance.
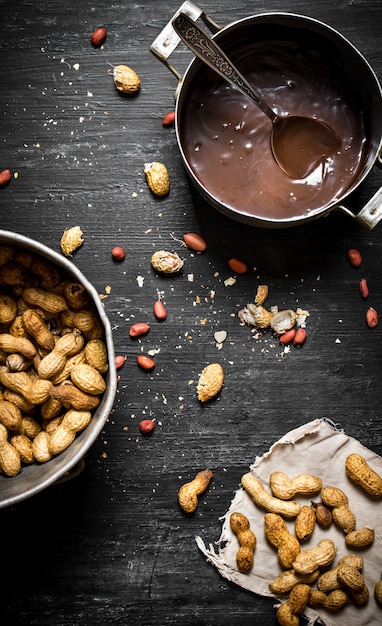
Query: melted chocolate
point(226, 138)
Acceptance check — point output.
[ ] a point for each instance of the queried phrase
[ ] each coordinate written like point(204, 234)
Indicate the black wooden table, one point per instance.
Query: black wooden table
point(112, 546)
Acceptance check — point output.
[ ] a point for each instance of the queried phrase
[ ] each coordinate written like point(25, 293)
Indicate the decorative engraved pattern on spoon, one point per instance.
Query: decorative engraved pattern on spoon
point(224, 67)
point(299, 143)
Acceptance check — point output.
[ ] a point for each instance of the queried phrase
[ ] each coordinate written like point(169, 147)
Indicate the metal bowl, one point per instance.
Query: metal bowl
point(38, 476)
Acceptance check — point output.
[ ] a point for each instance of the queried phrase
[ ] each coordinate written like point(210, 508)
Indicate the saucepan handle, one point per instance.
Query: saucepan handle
point(379, 159)
point(166, 42)
point(371, 213)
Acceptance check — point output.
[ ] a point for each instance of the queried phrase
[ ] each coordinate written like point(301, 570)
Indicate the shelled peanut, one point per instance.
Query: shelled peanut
point(53, 360)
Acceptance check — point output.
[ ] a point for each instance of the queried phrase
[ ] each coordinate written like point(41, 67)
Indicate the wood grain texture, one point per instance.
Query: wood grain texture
point(112, 546)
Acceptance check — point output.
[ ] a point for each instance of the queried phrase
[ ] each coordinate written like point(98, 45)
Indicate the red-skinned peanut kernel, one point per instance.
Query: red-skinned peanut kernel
point(364, 288)
point(288, 336)
point(118, 253)
point(169, 118)
point(160, 310)
point(354, 257)
point(120, 361)
point(194, 242)
point(98, 36)
point(138, 329)
point(299, 337)
point(237, 266)
point(5, 177)
point(371, 317)
point(145, 362)
point(146, 426)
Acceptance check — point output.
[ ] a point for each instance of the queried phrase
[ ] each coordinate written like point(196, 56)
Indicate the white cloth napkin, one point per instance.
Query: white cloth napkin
point(317, 448)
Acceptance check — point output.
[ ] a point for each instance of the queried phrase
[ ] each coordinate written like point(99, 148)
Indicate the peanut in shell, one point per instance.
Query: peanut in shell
point(189, 492)
point(360, 538)
point(361, 473)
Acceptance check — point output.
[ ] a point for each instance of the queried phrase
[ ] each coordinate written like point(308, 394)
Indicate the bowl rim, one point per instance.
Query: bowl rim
point(70, 461)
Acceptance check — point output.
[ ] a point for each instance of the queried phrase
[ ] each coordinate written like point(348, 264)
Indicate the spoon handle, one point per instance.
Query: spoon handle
point(205, 48)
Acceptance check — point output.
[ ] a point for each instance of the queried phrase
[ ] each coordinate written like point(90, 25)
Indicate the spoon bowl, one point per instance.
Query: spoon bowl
point(299, 143)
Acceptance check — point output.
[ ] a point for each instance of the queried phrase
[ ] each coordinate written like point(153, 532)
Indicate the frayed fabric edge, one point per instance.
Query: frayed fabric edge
point(295, 435)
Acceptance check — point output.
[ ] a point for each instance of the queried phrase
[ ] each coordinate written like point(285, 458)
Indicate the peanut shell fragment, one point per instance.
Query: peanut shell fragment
point(210, 382)
point(166, 262)
point(126, 79)
point(259, 316)
point(71, 240)
point(283, 321)
point(157, 177)
point(261, 294)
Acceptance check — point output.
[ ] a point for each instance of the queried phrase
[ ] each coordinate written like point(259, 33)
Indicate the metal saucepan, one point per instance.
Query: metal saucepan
point(302, 66)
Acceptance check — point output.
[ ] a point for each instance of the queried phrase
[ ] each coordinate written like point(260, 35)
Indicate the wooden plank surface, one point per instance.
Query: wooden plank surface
point(112, 546)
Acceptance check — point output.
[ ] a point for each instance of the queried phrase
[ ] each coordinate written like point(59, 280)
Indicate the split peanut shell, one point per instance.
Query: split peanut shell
point(210, 382)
